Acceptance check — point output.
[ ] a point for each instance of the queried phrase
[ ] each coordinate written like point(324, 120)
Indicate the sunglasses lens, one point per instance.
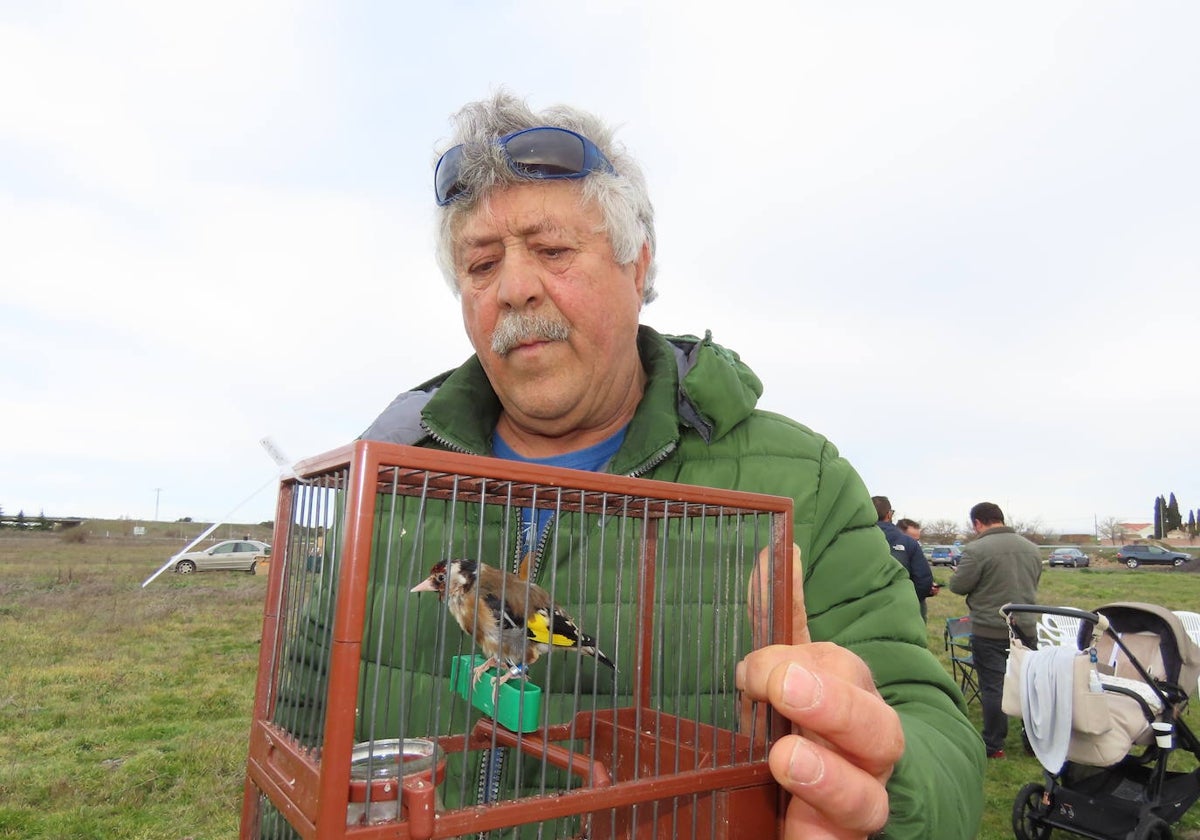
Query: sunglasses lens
point(445, 177)
point(546, 153)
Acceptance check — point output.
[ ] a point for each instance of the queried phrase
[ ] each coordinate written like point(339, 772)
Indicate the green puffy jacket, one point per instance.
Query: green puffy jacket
point(697, 424)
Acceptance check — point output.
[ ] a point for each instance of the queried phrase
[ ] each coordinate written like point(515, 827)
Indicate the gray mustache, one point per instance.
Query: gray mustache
point(517, 327)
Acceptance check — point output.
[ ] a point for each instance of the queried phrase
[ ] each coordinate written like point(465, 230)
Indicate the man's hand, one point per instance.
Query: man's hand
point(837, 767)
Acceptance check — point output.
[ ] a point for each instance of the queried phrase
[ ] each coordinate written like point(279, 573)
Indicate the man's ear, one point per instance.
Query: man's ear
point(640, 266)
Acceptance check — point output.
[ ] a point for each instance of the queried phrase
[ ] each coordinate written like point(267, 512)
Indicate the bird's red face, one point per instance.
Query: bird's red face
point(436, 582)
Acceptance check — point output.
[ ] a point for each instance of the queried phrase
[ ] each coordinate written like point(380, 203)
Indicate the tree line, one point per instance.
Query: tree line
point(26, 523)
point(1168, 518)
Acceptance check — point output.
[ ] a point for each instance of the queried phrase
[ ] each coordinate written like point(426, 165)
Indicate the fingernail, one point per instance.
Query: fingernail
point(801, 690)
point(805, 766)
point(739, 676)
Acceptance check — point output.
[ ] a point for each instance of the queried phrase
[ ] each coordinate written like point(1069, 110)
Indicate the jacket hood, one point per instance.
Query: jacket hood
point(716, 390)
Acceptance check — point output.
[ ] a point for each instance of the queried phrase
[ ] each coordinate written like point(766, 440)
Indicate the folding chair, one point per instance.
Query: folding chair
point(957, 638)
point(1191, 623)
point(1058, 631)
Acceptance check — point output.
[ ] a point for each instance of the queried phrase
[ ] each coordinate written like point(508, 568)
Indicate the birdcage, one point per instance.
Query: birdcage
point(369, 720)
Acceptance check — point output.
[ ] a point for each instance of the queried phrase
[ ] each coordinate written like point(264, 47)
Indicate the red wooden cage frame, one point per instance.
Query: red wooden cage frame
point(313, 793)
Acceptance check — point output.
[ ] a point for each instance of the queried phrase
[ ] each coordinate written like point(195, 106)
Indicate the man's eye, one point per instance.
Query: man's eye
point(481, 267)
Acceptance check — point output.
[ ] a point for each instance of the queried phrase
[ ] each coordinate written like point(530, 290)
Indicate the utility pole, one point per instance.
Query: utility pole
point(157, 493)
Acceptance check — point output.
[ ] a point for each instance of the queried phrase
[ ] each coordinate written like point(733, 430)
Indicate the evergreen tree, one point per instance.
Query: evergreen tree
point(1173, 520)
point(1159, 505)
point(1191, 524)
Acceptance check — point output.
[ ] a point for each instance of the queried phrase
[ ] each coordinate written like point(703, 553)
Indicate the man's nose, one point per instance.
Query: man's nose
point(520, 279)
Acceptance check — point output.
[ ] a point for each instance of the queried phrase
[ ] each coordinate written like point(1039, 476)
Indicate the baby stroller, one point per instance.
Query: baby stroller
point(1103, 717)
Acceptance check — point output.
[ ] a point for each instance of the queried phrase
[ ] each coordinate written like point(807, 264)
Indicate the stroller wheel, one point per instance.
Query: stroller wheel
point(1153, 829)
point(1028, 811)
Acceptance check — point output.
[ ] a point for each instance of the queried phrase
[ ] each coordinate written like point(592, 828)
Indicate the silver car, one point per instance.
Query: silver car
point(1072, 557)
point(230, 555)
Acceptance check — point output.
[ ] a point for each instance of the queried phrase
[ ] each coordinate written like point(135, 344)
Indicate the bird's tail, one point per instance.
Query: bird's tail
point(592, 650)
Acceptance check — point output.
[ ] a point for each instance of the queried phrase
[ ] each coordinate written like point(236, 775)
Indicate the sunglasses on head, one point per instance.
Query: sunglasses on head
point(544, 152)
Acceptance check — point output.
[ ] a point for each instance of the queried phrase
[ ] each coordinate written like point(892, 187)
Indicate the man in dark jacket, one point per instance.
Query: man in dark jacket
point(998, 567)
point(907, 551)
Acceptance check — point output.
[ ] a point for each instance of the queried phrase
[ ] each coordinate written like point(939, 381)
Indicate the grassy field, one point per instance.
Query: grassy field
point(124, 712)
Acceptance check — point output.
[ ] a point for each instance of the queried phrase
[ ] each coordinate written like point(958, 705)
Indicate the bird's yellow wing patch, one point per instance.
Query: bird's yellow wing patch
point(538, 626)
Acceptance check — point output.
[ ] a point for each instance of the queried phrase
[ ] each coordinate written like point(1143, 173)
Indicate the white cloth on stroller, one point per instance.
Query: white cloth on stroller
point(1139, 687)
point(1048, 681)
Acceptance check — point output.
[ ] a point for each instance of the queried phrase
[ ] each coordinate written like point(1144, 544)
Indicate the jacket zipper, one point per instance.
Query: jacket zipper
point(453, 447)
point(537, 553)
point(662, 455)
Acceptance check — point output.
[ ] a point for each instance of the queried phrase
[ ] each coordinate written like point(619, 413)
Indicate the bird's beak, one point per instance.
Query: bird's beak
point(424, 586)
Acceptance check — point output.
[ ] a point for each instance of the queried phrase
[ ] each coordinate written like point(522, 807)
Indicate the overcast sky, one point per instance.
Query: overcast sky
point(962, 241)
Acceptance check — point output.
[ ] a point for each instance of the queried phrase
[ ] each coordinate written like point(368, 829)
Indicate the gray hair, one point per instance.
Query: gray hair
point(621, 196)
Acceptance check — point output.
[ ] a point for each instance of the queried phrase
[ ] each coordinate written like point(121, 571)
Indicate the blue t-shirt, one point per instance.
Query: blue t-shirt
point(591, 458)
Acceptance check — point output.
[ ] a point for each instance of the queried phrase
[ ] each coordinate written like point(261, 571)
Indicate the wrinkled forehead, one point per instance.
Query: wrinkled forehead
point(521, 210)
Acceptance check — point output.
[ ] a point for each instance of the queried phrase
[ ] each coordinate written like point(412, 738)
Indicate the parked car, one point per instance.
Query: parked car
point(234, 555)
point(943, 555)
point(1072, 557)
point(1136, 555)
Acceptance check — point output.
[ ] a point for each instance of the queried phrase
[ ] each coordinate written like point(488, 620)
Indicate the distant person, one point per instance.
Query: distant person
point(910, 527)
point(913, 529)
point(996, 568)
point(907, 551)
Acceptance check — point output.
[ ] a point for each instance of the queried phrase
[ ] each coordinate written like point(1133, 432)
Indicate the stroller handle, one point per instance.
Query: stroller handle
point(1069, 612)
point(1099, 624)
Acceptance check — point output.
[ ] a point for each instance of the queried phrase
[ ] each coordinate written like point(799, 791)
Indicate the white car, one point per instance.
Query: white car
point(231, 555)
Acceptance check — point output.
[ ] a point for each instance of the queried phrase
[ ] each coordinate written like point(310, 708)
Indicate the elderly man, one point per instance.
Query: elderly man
point(547, 236)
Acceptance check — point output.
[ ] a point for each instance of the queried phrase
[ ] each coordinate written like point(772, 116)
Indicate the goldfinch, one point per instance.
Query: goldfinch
point(515, 635)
